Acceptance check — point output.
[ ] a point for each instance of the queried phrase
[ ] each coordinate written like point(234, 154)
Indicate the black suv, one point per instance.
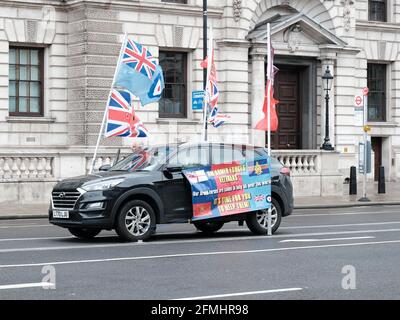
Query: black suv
point(148, 188)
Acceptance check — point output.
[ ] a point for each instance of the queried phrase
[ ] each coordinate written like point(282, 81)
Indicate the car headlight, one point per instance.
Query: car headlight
point(102, 185)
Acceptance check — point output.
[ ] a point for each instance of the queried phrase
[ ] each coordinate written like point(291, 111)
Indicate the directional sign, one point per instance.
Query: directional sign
point(197, 100)
point(365, 91)
point(358, 101)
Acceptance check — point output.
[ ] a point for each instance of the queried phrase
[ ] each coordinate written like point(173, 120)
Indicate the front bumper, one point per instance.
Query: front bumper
point(81, 216)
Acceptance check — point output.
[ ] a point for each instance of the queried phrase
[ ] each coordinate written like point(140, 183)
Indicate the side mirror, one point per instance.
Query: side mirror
point(171, 168)
point(104, 168)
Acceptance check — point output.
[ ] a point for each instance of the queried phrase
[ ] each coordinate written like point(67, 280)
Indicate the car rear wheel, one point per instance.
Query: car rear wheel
point(208, 227)
point(257, 221)
point(82, 233)
point(136, 221)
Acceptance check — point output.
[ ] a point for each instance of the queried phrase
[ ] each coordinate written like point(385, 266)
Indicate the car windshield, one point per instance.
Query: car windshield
point(146, 158)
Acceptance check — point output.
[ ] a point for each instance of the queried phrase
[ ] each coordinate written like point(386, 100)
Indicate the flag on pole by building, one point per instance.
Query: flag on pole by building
point(139, 72)
point(212, 92)
point(121, 118)
point(262, 124)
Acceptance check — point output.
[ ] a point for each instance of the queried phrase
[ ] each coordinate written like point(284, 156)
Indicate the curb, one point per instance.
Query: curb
point(300, 207)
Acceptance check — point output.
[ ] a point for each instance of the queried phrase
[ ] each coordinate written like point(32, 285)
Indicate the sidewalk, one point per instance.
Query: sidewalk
point(392, 197)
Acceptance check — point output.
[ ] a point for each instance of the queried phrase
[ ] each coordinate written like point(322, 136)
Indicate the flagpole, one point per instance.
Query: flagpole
point(205, 72)
point(269, 70)
point(106, 109)
point(207, 84)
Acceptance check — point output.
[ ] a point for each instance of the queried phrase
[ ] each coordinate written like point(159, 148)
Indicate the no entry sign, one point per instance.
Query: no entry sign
point(358, 102)
point(365, 91)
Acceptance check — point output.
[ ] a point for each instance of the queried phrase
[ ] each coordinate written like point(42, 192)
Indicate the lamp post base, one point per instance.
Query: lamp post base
point(364, 199)
point(327, 147)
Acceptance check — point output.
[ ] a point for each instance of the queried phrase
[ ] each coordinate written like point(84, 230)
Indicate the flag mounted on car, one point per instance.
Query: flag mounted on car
point(139, 72)
point(121, 118)
point(262, 114)
point(212, 92)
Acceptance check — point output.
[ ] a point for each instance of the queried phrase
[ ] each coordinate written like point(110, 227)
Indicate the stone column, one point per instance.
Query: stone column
point(328, 60)
point(258, 56)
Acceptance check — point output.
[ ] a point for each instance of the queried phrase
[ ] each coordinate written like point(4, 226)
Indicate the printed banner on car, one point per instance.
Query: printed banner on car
point(228, 189)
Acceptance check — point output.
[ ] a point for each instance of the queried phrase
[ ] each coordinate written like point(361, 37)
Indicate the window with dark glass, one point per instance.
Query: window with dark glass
point(25, 81)
point(173, 101)
point(377, 10)
point(175, 1)
point(377, 92)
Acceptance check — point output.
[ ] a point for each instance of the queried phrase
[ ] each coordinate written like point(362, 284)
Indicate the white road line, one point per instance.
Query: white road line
point(341, 213)
point(322, 240)
point(26, 285)
point(26, 226)
point(187, 241)
point(239, 294)
point(197, 254)
point(343, 225)
point(193, 232)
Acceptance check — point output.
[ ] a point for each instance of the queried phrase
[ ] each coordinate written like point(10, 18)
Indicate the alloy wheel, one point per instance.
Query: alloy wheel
point(262, 217)
point(137, 221)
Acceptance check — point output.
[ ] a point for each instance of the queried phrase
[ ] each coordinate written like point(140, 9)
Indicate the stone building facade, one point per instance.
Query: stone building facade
point(57, 59)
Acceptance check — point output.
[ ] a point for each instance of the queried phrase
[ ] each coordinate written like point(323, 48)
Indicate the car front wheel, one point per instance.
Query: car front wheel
point(257, 221)
point(136, 221)
point(208, 227)
point(82, 233)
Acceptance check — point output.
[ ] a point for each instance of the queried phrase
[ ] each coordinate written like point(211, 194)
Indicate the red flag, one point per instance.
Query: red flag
point(204, 63)
point(263, 123)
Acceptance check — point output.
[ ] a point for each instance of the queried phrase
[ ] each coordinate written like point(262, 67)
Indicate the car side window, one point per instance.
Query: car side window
point(252, 154)
point(226, 154)
point(191, 157)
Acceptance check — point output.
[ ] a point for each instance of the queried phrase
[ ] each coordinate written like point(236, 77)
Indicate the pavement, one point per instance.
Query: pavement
point(392, 197)
point(341, 253)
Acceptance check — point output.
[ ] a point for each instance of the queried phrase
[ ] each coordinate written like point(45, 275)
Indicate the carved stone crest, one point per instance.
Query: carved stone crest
point(237, 9)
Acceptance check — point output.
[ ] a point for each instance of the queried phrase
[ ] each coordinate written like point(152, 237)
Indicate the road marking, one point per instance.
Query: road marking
point(26, 226)
point(343, 225)
point(186, 241)
point(321, 240)
point(197, 254)
point(239, 294)
point(340, 214)
point(192, 232)
point(27, 285)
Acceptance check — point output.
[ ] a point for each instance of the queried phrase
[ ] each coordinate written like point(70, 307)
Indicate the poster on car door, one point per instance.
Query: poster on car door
point(230, 188)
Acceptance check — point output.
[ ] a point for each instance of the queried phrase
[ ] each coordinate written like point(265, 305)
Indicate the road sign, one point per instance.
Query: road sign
point(197, 100)
point(358, 101)
point(365, 91)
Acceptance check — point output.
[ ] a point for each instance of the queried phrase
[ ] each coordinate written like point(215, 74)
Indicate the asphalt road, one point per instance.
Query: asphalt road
point(351, 253)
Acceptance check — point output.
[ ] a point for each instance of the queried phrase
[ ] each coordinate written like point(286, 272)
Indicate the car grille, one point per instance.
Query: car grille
point(65, 199)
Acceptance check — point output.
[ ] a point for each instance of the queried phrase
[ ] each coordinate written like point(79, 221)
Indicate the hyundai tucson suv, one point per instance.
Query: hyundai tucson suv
point(148, 188)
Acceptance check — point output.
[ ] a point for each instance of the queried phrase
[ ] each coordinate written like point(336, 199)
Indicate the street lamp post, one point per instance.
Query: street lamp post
point(327, 80)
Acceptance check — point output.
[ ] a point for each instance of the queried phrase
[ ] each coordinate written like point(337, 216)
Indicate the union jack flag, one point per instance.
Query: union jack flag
point(139, 58)
point(217, 119)
point(121, 118)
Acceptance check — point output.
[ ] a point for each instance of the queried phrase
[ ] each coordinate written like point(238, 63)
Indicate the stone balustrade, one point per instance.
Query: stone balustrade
point(300, 162)
point(20, 167)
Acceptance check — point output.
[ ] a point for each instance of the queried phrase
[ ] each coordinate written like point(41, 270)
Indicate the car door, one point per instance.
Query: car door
point(176, 190)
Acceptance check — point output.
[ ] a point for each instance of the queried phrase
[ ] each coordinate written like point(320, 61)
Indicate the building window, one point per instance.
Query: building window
point(173, 101)
point(377, 92)
point(175, 1)
point(25, 81)
point(377, 10)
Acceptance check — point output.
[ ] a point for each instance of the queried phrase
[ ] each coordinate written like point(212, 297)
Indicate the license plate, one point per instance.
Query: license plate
point(60, 214)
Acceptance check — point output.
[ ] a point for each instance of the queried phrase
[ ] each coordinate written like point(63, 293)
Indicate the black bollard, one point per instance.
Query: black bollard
point(381, 181)
point(353, 181)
